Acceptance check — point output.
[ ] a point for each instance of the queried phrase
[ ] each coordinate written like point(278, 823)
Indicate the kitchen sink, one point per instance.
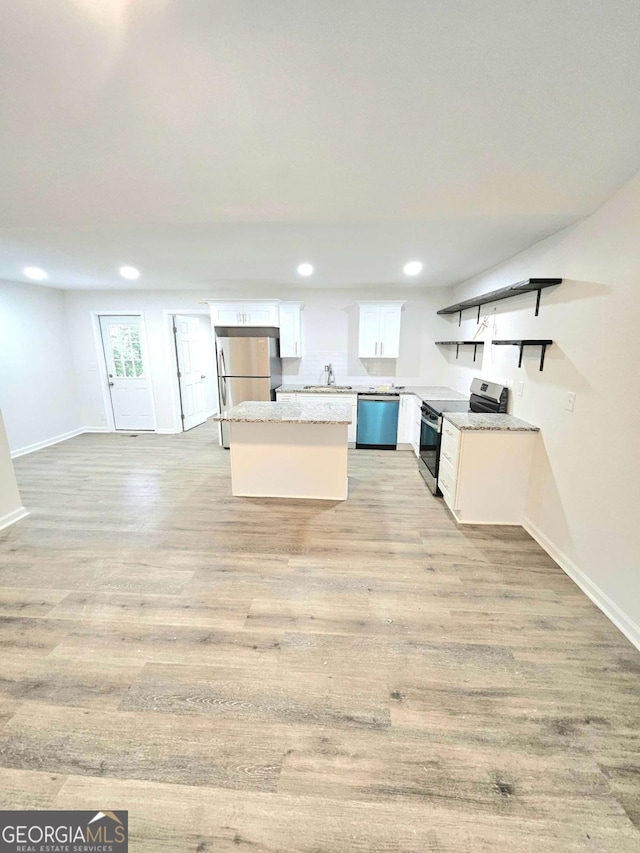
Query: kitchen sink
point(328, 388)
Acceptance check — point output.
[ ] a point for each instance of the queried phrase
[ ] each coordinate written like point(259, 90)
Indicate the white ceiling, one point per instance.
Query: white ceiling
point(223, 141)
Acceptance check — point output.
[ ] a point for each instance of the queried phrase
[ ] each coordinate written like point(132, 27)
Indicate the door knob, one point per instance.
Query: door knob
point(112, 383)
point(202, 376)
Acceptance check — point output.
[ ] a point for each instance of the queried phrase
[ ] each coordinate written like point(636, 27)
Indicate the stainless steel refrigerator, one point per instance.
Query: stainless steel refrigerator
point(249, 366)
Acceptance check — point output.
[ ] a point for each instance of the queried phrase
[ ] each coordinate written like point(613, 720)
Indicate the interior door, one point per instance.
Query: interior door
point(129, 385)
point(191, 374)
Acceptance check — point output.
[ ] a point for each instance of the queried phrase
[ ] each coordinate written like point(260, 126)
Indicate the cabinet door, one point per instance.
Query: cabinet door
point(353, 426)
point(290, 331)
point(405, 419)
point(389, 331)
point(257, 314)
point(369, 332)
point(228, 315)
point(415, 425)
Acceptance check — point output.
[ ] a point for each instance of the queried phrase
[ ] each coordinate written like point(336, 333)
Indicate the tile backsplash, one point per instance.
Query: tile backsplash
point(347, 371)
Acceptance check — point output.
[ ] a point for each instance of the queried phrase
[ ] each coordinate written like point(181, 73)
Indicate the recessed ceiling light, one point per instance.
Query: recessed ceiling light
point(412, 268)
point(305, 269)
point(129, 272)
point(35, 273)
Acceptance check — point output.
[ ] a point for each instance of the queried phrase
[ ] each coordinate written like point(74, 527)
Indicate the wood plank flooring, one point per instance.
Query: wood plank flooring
point(263, 675)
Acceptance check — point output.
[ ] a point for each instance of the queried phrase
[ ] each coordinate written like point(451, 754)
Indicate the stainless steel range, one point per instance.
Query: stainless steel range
point(485, 397)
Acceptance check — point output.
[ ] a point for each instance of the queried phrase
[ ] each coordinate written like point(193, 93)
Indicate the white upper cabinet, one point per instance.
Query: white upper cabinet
point(291, 329)
point(244, 313)
point(379, 334)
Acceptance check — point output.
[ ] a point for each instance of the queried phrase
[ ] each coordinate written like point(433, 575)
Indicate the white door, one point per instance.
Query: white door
point(129, 384)
point(190, 370)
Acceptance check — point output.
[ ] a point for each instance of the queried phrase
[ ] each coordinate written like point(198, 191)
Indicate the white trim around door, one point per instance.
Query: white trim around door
point(148, 422)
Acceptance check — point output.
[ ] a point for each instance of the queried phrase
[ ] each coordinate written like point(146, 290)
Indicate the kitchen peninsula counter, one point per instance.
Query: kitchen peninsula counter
point(288, 450)
point(493, 421)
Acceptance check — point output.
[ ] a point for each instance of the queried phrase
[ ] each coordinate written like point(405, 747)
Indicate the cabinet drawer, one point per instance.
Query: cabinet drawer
point(450, 432)
point(449, 471)
point(285, 397)
point(449, 450)
point(447, 483)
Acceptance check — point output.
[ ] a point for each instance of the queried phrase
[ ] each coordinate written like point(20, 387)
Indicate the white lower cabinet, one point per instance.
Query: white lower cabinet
point(416, 426)
point(409, 421)
point(484, 474)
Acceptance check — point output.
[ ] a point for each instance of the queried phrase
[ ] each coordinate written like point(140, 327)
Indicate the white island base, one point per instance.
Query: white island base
point(289, 460)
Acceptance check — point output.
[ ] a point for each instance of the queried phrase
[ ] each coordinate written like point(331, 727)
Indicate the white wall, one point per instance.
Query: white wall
point(330, 334)
point(11, 508)
point(585, 492)
point(155, 308)
point(330, 330)
point(37, 377)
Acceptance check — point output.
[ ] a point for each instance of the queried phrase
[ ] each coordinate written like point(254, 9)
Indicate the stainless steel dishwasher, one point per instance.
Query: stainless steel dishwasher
point(377, 421)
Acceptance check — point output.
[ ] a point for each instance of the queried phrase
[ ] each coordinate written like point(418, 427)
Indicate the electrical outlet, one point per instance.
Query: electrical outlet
point(571, 399)
point(520, 388)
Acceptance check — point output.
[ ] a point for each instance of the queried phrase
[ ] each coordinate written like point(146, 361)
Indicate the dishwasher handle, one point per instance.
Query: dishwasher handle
point(380, 398)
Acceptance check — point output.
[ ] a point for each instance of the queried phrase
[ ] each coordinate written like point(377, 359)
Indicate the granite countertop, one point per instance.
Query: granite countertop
point(306, 412)
point(427, 392)
point(488, 421)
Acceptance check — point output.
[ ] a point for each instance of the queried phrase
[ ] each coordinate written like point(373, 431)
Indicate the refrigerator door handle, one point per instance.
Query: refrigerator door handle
point(223, 390)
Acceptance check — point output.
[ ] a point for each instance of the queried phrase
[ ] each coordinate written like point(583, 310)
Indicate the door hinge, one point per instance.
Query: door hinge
point(182, 416)
point(179, 375)
point(175, 330)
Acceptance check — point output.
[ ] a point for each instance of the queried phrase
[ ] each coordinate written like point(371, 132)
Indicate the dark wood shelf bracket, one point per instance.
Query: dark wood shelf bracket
point(458, 344)
point(529, 342)
point(526, 286)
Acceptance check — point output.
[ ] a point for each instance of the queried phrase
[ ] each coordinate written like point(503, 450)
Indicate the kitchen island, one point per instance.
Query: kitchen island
point(288, 450)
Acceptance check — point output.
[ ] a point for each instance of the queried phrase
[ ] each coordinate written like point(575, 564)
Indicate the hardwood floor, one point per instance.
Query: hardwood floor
point(274, 675)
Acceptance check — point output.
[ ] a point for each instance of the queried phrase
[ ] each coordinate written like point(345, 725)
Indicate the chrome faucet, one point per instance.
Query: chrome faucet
point(331, 379)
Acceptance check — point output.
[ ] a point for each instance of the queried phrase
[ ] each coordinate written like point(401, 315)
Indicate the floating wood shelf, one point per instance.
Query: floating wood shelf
point(529, 342)
point(526, 286)
point(458, 344)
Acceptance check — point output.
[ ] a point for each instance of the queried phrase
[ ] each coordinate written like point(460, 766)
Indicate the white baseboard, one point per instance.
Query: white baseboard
point(12, 517)
point(30, 448)
point(611, 610)
point(96, 429)
point(168, 431)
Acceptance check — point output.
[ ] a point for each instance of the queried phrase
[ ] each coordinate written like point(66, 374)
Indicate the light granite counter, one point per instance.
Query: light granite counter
point(424, 392)
point(304, 412)
point(488, 421)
